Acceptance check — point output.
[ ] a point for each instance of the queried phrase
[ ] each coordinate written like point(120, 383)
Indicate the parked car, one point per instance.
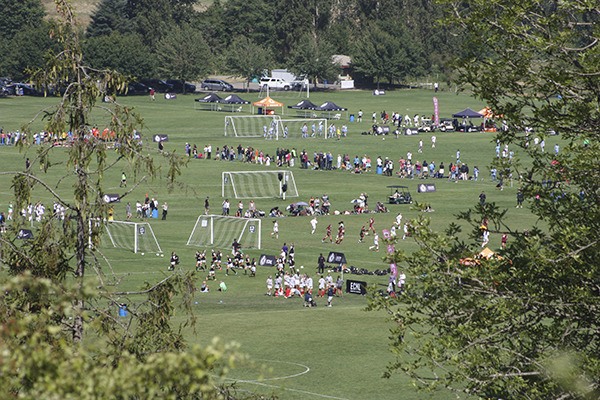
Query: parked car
point(180, 86)
point(216, 85)
point(158, 85)
point(274, 83)
point(137, 88)
point(21, 89)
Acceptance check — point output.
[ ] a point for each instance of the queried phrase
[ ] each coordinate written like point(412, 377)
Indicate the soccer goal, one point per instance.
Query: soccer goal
point(258, 184)
point(135, 236)
point(302, 127)
point(252, 126)
point(219, 231)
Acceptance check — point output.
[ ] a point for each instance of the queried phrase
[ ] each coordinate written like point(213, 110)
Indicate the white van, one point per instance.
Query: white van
point(274, 83)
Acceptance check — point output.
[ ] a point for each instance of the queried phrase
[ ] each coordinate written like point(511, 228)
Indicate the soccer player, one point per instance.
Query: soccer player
point(313, 224)
point(200, 261)
point(375, 243)
point(174, 261)
point(371, 225)
point(341, 231)
point(328, 234)
point(363, 232)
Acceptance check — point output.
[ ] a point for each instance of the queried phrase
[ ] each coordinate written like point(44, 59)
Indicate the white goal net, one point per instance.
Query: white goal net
point(274, 127)
point(135, 236)
point(219, 231)
point(258, 184)
point(264, 126)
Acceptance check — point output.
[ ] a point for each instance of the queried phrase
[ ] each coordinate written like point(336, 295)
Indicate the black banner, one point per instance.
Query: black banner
point(356, 287)
point(25, 234)
point(170, 96)
point(426, 188)
point(160, 138)
point(336, 258)
point(111, 198)
point(267, 261)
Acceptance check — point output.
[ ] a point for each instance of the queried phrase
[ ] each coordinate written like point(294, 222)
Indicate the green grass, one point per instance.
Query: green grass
point(344, 348)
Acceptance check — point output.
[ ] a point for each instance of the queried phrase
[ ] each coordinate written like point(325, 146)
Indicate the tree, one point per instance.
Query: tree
point(246, 58)
point(380, 54)
point(313, 58)
point(183, 54)
point(110, 16)
point(525, 324)
point(124, 53)
point(153, 19)
point(298, 19)
point(254, 19)
point(19, 15)
point(48, 305)
point(25, 51)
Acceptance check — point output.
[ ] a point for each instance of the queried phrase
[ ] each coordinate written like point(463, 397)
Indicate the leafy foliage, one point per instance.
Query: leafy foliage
point(313, 58)
point(523, 324)
point(124, 53)
point(248, 59)
point(179, 58)
point(48, 306)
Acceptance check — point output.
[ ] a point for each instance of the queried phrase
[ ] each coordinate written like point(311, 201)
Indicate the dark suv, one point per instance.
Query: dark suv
point(158, 85)
point(180, 86)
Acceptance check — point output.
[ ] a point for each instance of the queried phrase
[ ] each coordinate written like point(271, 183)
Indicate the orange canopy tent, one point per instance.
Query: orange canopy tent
point(488, 114)
point(266, 106)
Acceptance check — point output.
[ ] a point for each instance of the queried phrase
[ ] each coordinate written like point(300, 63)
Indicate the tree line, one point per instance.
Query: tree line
point(389, 41)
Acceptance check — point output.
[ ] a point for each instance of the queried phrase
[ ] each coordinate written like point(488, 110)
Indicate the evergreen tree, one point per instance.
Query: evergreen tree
point(110, 16)
point(124, 53)
point(19, 15)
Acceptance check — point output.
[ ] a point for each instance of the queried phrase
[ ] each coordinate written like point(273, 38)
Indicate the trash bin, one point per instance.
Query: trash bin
point(259, 111)
point(351, 117)
point(155, 213)
point(379, 170)
point(122, 310)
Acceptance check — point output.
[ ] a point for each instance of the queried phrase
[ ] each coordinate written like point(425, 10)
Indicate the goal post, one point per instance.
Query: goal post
point(302, 128)
point(258, 184)
point(219, 231)
point(135, 236)
point(252, 126)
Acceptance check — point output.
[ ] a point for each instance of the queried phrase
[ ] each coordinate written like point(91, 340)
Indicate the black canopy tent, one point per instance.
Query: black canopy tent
point(234, 101)
point(209, 102)
point(330, 110)
point(467, 113)
point(467, 125)
point(305, 109)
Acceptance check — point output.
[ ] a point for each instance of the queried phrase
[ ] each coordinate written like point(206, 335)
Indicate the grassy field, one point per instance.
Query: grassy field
point(320, 353)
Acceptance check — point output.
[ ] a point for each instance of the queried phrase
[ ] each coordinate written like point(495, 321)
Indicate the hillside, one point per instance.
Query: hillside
point(85, 8)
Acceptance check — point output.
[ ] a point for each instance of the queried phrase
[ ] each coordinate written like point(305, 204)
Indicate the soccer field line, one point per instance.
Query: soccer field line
point(325, 396)
point(306, 370)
